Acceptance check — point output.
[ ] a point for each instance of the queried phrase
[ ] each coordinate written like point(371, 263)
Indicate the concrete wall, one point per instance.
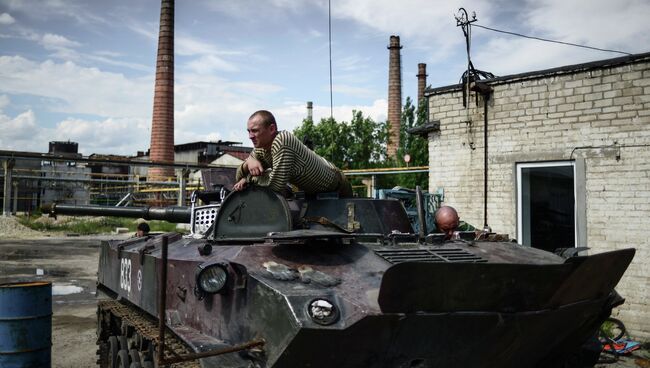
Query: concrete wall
point(553, 115)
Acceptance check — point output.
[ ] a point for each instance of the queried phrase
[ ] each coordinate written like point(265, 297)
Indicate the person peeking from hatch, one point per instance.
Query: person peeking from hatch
point(448, 222)
point(279, 159)
point(142, 230)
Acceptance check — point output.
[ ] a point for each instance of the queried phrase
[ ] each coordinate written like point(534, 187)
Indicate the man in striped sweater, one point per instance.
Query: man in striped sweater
point(279, 158)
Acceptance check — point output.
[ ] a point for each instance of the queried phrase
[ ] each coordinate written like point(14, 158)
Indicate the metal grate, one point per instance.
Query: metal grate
point(203, 217)
point(438, 255)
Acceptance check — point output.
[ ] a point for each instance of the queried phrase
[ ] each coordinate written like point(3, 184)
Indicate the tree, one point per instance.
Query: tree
point(368, 142)
point(355, 145)
point(415, 146)
point(361, 144)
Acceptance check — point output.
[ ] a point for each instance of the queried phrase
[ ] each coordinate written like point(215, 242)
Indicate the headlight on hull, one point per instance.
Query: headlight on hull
point(211, 279)
point(322, 311)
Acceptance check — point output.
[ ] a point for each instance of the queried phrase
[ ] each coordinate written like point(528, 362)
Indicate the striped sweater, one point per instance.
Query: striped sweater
point(293, 163)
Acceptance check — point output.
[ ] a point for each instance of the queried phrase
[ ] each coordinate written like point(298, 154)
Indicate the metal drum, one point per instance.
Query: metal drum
point(25, 324)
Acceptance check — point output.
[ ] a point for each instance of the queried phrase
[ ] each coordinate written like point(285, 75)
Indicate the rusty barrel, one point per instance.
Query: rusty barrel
point(25, 324)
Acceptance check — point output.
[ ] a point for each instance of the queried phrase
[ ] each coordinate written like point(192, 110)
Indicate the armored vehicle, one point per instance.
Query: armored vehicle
point(266, 281)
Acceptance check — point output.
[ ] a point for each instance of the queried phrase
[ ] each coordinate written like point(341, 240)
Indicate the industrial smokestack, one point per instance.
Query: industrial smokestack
point(394, 95)
point(422, 81)
point(162, 125)
point(310, 110)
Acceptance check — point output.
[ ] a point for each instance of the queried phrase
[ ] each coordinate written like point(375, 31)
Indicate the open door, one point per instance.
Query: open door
point(546, 205)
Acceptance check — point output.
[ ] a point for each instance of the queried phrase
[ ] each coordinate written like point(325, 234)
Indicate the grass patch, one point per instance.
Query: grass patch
point(91, 225)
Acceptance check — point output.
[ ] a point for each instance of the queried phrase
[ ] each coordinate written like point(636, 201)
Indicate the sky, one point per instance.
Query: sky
point(83, 70)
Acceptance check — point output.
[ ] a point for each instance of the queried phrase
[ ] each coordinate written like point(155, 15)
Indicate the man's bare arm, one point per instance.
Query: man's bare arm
point(254, 166)
point(240, 185)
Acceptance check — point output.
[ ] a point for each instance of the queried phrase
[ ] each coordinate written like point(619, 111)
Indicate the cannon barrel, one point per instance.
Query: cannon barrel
point(176, 214)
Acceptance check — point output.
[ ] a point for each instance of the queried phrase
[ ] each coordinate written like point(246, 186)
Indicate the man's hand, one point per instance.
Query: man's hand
point(254, 166)
point(240, 185)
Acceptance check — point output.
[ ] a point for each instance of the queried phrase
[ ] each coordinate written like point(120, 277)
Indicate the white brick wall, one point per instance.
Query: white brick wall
point(544, 117)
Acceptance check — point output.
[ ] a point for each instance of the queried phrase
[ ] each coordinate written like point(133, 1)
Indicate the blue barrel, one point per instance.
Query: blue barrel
point(25, 324)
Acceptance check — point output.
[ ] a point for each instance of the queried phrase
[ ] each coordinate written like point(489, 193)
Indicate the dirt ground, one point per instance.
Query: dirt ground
point(70, 263)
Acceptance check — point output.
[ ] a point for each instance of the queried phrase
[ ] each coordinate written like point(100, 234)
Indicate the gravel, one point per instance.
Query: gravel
point(10, 228)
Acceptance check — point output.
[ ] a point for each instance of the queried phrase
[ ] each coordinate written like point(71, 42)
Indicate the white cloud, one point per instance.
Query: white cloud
point(256, 88)
point(353, 90)
point(49, 9)
point(53, 41)
point(63, 48)
point(4, 101)
point(315, 33)
point(186, 45)
point(125, 136)
point(121, 136)
point(116, 61)
point(6, 19)
point(615, 25)
point(603, 23)
point(291, 116)
point(21, 133)
point(209, 64)
point(148, 30)
point(76, 89)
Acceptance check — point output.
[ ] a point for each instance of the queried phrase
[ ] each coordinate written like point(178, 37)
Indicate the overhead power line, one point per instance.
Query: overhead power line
point(553, 41)
point(329, 20)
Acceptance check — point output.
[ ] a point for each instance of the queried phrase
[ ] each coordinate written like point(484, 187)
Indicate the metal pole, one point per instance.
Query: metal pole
point(15, 195)
point(8, 166)
point(486, 98)
point(206, 354)
point(419, 198)
point(182, 186)
point(162, 305)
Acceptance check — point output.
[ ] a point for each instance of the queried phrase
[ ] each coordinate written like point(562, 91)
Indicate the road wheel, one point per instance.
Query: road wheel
point(124, 343)
point(123, 359)
point(113, 349)
point(134, 355)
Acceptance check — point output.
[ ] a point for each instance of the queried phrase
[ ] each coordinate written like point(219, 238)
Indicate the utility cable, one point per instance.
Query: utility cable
point(553, 41)
point(329, 7)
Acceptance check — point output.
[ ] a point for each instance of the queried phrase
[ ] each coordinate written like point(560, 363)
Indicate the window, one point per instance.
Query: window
point(546, 205)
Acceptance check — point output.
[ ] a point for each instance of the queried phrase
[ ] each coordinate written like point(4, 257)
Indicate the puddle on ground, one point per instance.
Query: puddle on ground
point(66, 289)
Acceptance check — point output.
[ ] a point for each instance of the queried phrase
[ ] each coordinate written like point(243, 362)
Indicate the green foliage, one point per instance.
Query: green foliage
point(163, 227)
point(92, 225)
point(415, 146)
point(361, 144)
point(367, 147)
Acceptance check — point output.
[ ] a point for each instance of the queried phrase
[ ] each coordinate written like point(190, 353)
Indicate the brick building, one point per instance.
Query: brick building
point(569, 162)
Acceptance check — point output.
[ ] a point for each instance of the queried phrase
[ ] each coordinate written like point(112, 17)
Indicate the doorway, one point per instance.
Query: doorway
point(546, 205)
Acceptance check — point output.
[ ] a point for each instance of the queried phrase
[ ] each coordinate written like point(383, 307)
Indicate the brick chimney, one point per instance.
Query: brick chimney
point(422, 82)
point(162, 125)
point(394, 95)
point(310, 110)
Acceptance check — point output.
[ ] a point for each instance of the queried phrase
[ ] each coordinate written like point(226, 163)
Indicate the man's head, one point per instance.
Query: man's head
point(142, 229)
point(447, 220)
point(262, 129)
